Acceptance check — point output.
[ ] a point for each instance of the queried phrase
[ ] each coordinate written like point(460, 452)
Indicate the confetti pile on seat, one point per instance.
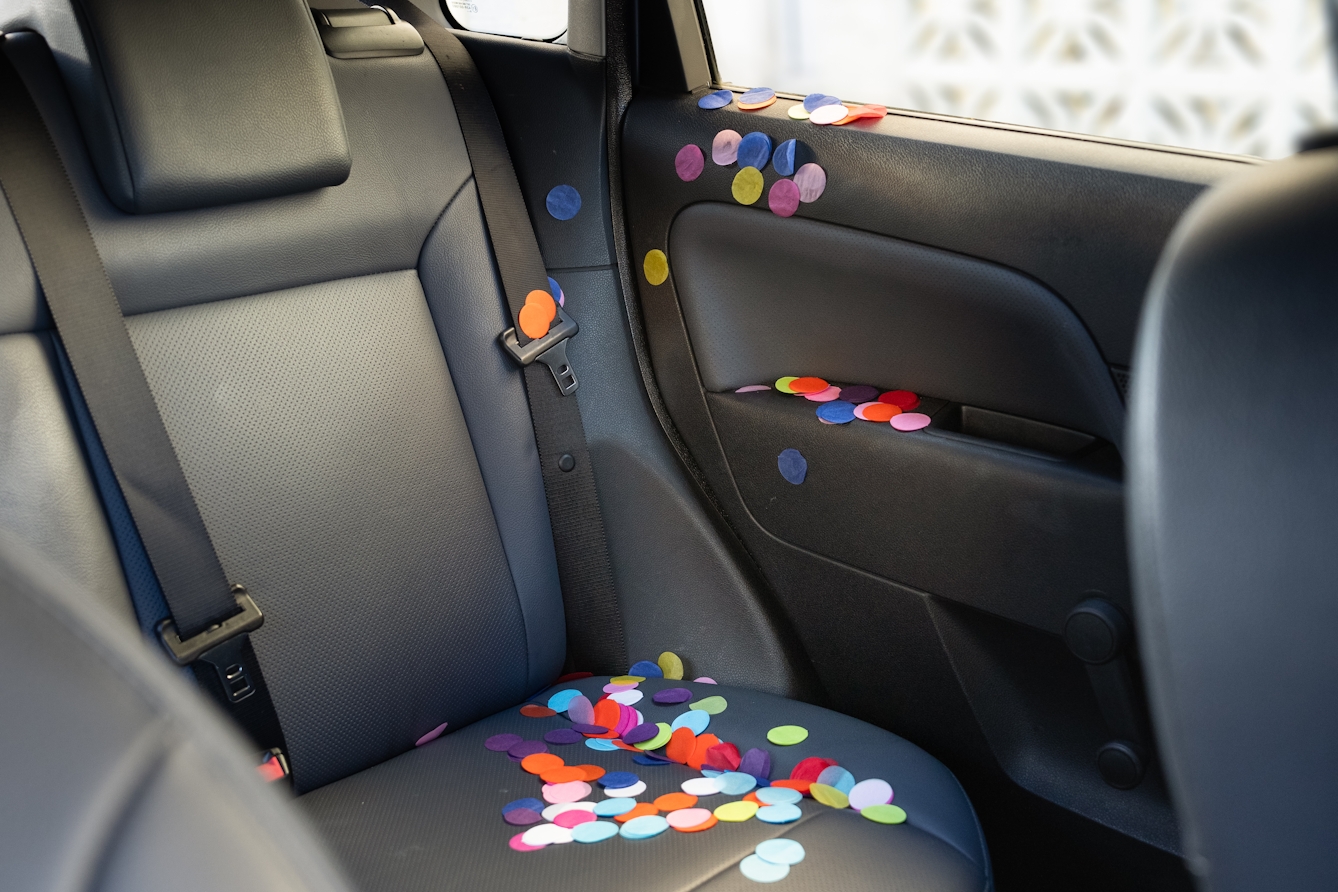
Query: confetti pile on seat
point(732, 782)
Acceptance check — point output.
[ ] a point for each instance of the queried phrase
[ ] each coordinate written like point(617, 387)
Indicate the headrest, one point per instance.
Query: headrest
point(199, 103)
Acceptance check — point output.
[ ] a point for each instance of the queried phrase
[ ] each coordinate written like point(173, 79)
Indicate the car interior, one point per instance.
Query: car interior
point(427, 455)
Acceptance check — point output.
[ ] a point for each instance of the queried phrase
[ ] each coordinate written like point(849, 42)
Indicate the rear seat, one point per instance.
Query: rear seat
point(326, 363)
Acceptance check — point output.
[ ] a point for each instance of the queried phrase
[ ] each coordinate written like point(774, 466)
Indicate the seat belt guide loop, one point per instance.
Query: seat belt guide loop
point(183, 653)
point(551, 350)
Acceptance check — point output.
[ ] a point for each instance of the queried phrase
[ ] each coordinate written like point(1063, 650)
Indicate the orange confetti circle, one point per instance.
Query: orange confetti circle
point(538, 763)
point(808, 385)
point(880, 411)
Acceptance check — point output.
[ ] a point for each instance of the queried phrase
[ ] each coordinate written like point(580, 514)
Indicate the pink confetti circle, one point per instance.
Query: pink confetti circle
point(571, 791)
point(859, 410)
point(909, 421)
point(811, 180)
point(753, 388)
point(783, 199)
point(521, 846)
point(824, 396)
point(725, 147)
point(685, 818)
point(705, 680)
point(689, 163)
point(571, 818)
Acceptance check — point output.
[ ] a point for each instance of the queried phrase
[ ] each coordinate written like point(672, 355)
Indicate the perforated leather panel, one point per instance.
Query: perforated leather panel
point(321, 433)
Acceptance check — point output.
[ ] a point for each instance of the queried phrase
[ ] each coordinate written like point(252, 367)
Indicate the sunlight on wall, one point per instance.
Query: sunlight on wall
point(1240, 76)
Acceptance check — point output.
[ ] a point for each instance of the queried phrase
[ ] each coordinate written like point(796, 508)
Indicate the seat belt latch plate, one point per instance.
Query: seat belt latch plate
point(247, 619)
point(551, 350)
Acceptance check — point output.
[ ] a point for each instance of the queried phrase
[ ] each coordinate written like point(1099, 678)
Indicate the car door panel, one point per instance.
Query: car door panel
point(999, 273)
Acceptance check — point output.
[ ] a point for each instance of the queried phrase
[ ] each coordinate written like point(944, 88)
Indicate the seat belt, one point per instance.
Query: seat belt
point(594, 621)
point(210, 619)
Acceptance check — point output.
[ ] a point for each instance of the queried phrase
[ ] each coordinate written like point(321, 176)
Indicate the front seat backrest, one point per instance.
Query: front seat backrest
point(1234, 524)
point(119, 777)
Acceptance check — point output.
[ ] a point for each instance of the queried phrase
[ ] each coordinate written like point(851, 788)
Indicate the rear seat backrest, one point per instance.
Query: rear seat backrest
point(297, 359)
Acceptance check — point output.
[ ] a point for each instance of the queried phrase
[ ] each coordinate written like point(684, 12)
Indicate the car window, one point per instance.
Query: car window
point(1238, 76)
point(532, 19)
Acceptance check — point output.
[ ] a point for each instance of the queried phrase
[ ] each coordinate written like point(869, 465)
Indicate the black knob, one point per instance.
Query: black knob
point(1096, 631)
point(1121, 764)
point(566, 462)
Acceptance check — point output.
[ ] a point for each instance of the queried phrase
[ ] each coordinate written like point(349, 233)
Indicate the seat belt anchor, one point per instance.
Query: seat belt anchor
point(551, 350)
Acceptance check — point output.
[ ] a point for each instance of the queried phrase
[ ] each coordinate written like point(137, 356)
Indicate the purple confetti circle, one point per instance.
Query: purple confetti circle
point(641, 733)
point(521, 817)
point(500, 743)
point(526, 748)
point(670, 696)
point(858, 393)
point(589, 729)
point(563, 736)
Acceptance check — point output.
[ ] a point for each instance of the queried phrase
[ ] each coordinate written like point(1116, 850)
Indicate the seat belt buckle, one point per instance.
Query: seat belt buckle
point(183, 653)
point(551, 350)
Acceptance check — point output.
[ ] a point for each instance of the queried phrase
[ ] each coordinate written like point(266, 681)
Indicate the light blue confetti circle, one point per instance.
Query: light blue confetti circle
point(779, 814)
point(736, 783)
point(600, 744)
point(838, 777)
point(644, 827)
point(562, 699)
point(611, 808)
point(760, 871)
point(594, 831)
point(779, 850)
point(695, 719)
point(779, 796)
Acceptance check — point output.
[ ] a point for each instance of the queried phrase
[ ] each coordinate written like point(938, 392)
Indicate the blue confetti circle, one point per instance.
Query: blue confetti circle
point(556, 290)
point(755, 150)
point(616, 780)
point(793, 466)
point(757, 94)
point(815, 101)
point(646, 669)
point(783, 160)
point(532, 804)
point(718, 99)
point(780, 850)
point(564, 202)
point(837, 412)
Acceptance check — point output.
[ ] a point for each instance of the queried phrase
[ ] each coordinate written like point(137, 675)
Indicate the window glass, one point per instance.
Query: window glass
point(533, 19)
point(1240, 76)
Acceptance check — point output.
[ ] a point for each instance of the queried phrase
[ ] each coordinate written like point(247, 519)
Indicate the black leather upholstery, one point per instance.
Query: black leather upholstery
point(1233, 518)
point(120, 777)
point(376, 486)
point(431, 819)
point(199, 104)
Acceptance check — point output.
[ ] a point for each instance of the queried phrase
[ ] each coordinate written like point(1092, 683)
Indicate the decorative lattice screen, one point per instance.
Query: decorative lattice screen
point(1241, 76)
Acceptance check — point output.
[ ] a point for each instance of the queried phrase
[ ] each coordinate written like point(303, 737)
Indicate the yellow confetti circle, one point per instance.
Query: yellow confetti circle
point(747, 186)
point(829, 796)
point(629, 679)
point(738, 811)
point(656, 266)
point(671, 665)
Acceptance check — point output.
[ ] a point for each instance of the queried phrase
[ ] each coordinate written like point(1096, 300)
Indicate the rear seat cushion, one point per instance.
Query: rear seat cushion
point(432, 818)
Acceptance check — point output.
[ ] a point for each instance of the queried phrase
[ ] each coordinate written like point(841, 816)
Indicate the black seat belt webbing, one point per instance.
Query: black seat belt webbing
point(207, 630)
point(594, 621)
